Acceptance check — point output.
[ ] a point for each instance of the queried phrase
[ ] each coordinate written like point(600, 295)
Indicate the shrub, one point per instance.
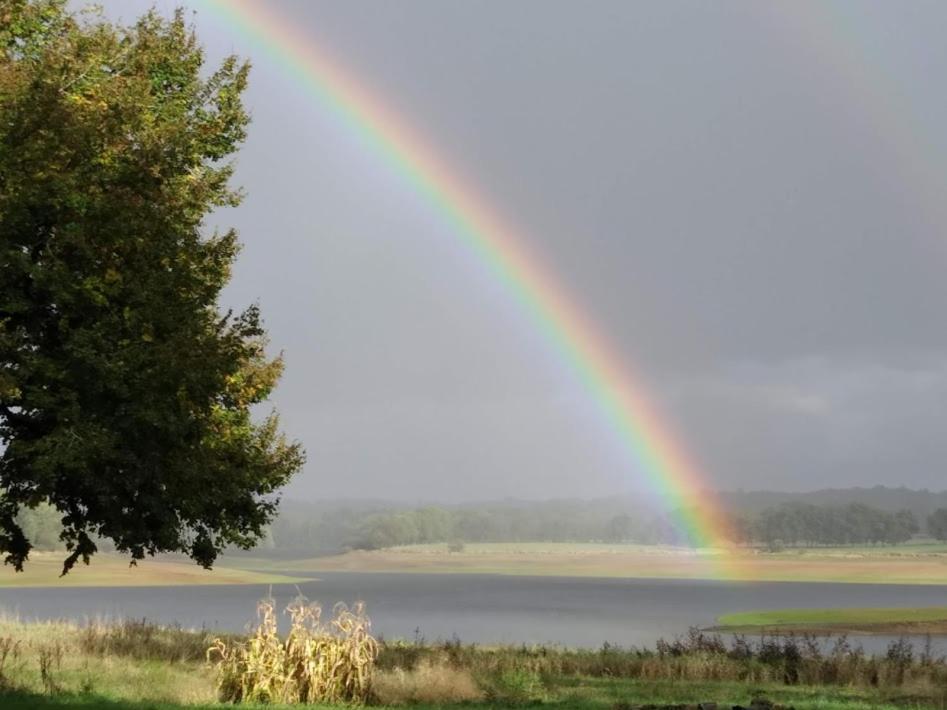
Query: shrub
point(316, 662)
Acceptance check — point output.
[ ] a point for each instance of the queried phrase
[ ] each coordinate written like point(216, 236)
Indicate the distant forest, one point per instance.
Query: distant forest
point(852, 516)
point(856, 516)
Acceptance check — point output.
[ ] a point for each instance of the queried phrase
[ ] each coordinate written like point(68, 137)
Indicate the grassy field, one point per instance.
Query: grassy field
point(895, 621)
point(43, 570)
point(915, 564)
point(58, 665)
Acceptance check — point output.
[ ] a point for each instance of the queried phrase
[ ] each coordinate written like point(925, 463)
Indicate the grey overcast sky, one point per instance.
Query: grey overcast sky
point(744, 196)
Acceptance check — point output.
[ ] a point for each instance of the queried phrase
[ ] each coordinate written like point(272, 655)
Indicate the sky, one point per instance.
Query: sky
point(746, 198)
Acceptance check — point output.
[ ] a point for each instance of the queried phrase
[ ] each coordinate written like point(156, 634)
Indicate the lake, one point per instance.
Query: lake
point(479, 608)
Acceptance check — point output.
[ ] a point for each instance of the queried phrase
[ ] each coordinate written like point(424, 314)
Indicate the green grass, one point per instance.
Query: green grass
point(569, 693)
point(853, 620)
point(23, 701)
point(606, 692)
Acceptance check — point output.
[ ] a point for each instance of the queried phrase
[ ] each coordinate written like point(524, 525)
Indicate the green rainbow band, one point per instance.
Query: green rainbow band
point(597, 365)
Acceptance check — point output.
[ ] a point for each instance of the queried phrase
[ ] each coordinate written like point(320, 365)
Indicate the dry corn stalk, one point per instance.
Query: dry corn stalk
point(316, 662)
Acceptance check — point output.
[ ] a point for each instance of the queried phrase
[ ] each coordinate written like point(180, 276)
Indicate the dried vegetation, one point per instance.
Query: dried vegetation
point(315, 662)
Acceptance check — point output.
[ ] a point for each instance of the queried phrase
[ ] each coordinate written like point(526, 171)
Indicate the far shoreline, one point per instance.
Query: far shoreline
point(893, 565)
point(43, 570)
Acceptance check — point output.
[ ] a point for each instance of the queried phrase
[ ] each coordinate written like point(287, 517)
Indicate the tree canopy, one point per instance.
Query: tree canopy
point(125, 392)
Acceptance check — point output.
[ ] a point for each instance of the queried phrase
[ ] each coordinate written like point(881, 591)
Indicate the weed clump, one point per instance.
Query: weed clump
point(315, 662)
point(433, 680)
point(143, 640)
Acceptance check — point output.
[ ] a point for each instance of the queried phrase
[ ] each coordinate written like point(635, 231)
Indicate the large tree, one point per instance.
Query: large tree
point(125, 393)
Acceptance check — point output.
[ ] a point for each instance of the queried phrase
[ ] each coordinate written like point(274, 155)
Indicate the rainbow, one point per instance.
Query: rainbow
point(657, 453)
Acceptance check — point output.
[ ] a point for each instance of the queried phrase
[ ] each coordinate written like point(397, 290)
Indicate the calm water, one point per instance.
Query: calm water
point(481, 608)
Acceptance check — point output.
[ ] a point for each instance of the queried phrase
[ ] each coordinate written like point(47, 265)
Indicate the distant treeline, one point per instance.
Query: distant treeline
point(921, 502)
point(769, 519)
point(795, 524)
point(429, 525)
point(332, 526)
point(787, 525)
point(547, 521)
point(42, 527)
point(791, 524)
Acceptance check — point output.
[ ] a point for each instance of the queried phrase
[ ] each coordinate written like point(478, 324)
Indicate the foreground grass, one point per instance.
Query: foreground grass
point(930, 620)
point(579, 695)
point(107, 570)
point(140, 667)
point(915, 564)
